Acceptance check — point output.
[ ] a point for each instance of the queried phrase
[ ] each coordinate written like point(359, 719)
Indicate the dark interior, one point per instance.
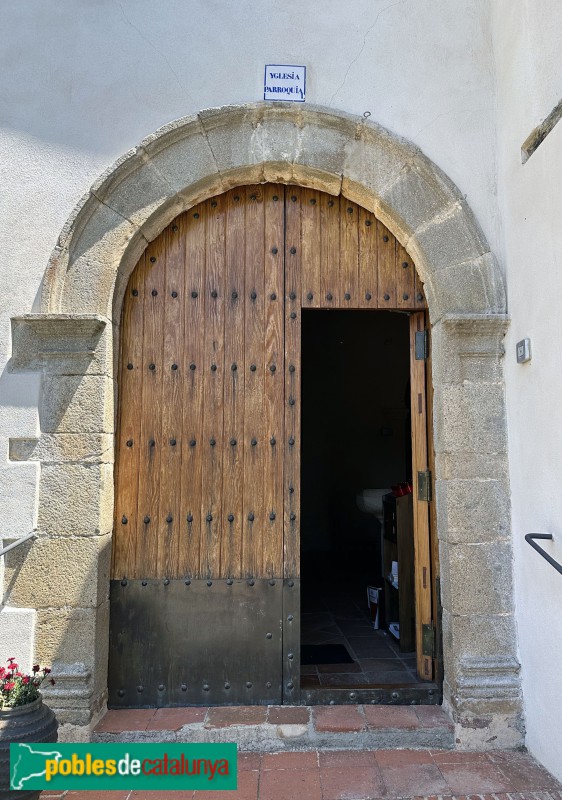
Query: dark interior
point(355, 437)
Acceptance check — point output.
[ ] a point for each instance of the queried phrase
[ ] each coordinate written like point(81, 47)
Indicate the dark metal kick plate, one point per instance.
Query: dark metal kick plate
point(198, 642)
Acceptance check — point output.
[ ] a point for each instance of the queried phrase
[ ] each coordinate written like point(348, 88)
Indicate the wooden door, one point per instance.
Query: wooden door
point(197, 595)
point(420, 467)
point(205, 571)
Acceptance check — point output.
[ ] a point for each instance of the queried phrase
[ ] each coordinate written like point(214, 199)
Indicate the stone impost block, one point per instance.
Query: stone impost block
point(76, 499)
point(73, 635)
point(76, 404)
point(471, 418)
point(54, 448)
point(468, 349)
point(451, 237)
point(67, 344)
point(58, 572)
point(476, 578)
point(473, 510)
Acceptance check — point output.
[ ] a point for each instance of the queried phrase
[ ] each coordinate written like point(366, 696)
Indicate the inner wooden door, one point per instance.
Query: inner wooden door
point(205, 571)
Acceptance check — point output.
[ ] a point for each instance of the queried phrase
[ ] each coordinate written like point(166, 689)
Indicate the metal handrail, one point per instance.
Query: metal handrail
point(529, 539)
point(17, 543)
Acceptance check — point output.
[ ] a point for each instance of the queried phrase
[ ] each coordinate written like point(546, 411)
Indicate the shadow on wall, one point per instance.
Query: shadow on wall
point(19, 390)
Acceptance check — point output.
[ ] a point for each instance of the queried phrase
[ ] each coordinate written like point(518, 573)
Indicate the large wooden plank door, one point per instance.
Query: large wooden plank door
point(198, 562)
point(206, 556)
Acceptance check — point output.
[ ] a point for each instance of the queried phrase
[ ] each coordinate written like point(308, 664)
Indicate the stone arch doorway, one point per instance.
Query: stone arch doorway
point(72, 341)
point(206, 570)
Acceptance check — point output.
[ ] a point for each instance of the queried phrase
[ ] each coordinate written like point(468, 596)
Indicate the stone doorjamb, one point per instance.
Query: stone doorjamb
point(73, 341)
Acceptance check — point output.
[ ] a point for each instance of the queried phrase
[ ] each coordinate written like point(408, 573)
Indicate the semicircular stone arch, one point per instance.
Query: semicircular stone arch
point(196, 158)
point(72, 340)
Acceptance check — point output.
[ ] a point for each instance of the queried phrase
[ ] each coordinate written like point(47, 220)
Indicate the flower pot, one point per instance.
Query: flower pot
point(34, 722)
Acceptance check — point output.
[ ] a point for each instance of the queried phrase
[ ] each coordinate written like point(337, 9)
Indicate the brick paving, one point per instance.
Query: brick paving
point(369, 775)
point(292, 769)
point(336, 719)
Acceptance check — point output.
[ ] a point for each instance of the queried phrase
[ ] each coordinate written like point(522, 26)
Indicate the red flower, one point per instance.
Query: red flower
point(25, 679)
point(13, 658)
point(35, 668)
point(12, 667)
point(46, 670)
point(52, 681)
point(8, 686)
point(2, 672)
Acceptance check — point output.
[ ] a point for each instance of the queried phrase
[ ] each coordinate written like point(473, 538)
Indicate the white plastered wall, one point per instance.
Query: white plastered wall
point(527, 49)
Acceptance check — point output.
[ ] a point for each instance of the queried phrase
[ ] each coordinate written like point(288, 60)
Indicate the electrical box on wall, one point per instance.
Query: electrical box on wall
point(523, 351)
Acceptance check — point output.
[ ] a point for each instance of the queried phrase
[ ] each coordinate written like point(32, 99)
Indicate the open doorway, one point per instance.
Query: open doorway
point(356, 503)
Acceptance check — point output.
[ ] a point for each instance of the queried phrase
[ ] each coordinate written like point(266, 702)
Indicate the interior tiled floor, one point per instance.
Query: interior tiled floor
point(341, 617)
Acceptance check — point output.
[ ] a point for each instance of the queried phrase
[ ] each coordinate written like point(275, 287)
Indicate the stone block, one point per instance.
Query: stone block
point(17, 635)
point(469, 466)
point(322, 142)
point(76, 499)
point(477, 578)
point(474, 286)
point(90, 276)
point(374, 161)
point(135, 190)
point(76, 404)
point(417, 196)
point(73, 635)
point(472, 351)
point(475, 510)
point(99, 232)
point(452, 237)
point(476, 635)
point(483, 691)
point(64, 344)
point(235, 141)
point(61, 572)
point(54, 448)
point(470, 418)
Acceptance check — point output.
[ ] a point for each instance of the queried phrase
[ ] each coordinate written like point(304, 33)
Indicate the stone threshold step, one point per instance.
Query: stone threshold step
point(276, 728)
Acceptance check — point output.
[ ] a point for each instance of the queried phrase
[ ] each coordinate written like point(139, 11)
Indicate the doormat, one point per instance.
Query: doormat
point(325, 654)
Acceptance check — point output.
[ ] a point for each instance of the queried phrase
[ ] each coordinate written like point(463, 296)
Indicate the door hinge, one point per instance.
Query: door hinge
point(422, 345)
point(424, 485)
point(428, 640)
